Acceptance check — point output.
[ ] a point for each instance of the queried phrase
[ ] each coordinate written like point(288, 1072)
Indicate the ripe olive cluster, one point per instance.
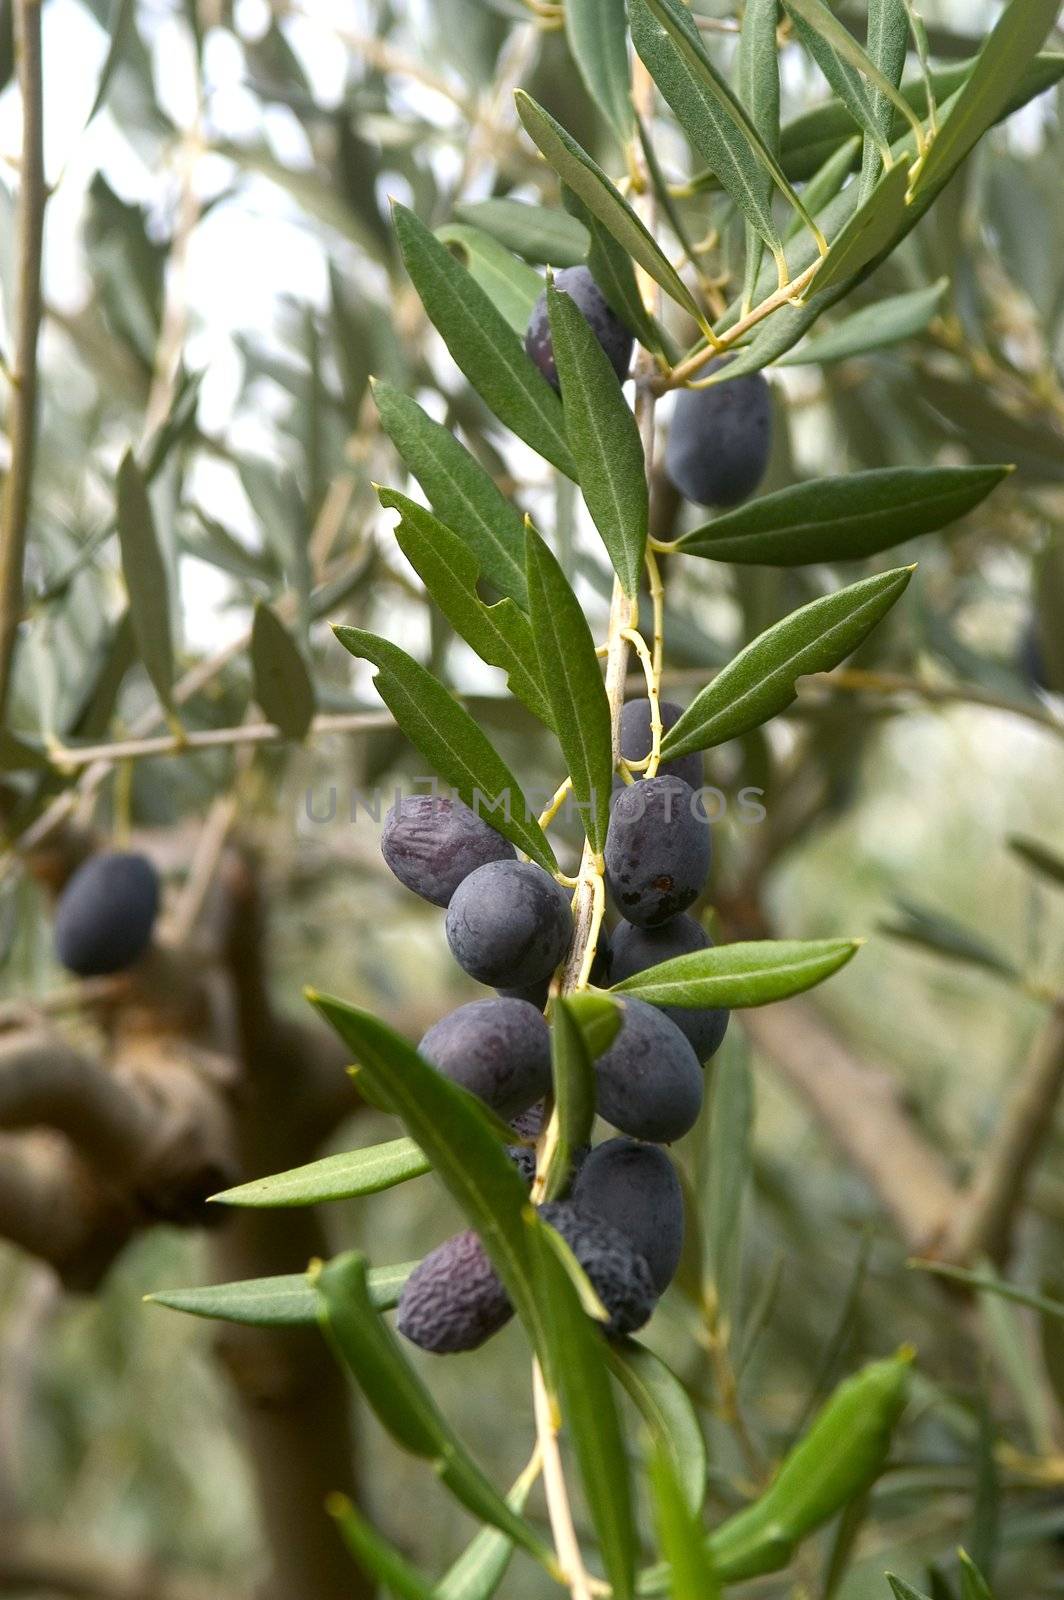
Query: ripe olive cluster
point(106, 913)
point(509, 925)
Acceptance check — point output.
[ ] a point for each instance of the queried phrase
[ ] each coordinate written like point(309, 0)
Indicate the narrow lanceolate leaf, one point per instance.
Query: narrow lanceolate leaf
point(401, 1401)
point(500, 634)
point(482, 343)
point(339, 1177)
point(598, 40)
point(461, 1145)
point(510, 284)
point(821, 18)
point(611, 267)
point(598, 1018)
point(590, 184)
point(680, 1537)
point(987, 1283)
point(1000, 68)
point(282, 683)
point(889, 321)
point(572, 681)
point(574, 1094)
point(932, 931)
point(904, 1591)
point(873, 228)
point(846, 82)
point(843, 519)
point(1039, 856)
point(377, 1557)
point(973, 1585)
point(666, 1409)
point(481, 1567)
point(533, 232)
point(707, 110)
point(448, 737)
point(605, 440)
point(751, 973)
point(282, 1302)
point(808, 140)
point(146, 577)
point(731, 1127)
point(836, 1462)
point(759, 91)
point(888, 43)
point(459, 489)
point(762, 680)
point(577, 1367)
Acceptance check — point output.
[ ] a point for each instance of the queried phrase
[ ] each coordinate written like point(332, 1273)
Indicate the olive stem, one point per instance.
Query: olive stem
point(559, 1510)
point(681, 375)
point(33, 196)
point(639, 645)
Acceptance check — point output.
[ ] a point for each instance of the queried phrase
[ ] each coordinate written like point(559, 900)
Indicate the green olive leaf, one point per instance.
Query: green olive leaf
point(511, 285)
point(500, 634)
point(377, 1557)
point(601, 197)
point(400, 1399)
point(534, 232)
point(283, 686)
point(281, 1302)
point(759, 91)
point(692, 1573)
point(574, 1093)
point(479, 1570)
point(572, 680)
point(605, 439)
point(839, 1458)
point(665, 1407)
point(710, 114)
point(749, 973)
point(877, 224)
point(843, 519)
point(460, 1143)
point(612, 269)
point(576, 1367)
point(146, 578)
point(1000, 69)
point(1039, 856)
point(761, 680)
point(338, 1177)
point(448, 737)
point(459, 489)
point(887, 322)
point(483, 343)
point(598, 39)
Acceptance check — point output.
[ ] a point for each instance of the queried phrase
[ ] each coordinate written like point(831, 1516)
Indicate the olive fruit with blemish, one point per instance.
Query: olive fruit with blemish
point(603, 321)
point(106, 913)
point(433, 842)
point(618, 1273)
point(657, 850)
point(633, 1186)
point(498, 1049)
point(638, 949)
point(509, 924)
point(636, 739)
point(453, 1299)
point(720, 440)
point(649, 1082)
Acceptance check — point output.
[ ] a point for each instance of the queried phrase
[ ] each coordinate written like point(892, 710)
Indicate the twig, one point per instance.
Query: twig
point(983, 1225)
point(218, 738)
point(33, 194)
point(559, 1510)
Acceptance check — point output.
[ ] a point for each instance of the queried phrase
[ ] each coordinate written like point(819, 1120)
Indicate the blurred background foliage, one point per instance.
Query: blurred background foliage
point(220, 283)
